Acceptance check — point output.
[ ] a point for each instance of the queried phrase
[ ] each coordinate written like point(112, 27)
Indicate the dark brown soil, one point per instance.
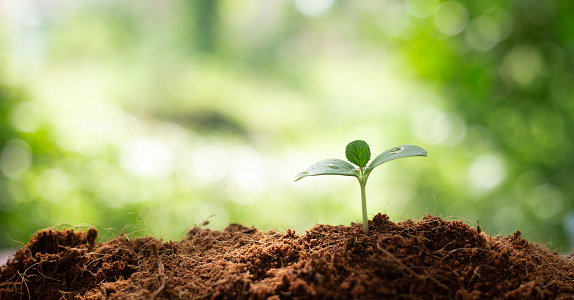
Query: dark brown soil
point(426, 259)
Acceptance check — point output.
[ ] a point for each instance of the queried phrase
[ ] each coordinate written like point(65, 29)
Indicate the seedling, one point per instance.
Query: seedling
point(359, 154)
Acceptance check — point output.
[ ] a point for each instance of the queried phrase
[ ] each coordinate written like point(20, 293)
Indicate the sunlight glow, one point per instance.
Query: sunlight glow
point(147, 157)
point(438, 127)
point(248, 169)
point(210, 163)
point(487, 171)
point(315, 8)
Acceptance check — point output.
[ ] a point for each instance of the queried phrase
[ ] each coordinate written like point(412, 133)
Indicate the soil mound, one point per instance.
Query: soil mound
point(425, 259)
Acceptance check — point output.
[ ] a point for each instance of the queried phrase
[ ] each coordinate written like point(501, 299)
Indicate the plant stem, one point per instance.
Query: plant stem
point(364, 204)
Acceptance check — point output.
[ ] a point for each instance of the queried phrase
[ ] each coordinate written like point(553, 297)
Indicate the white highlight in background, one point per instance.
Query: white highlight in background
point(487, 171)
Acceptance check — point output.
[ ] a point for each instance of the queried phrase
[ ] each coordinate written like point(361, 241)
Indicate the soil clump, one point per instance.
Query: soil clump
point(429, 258)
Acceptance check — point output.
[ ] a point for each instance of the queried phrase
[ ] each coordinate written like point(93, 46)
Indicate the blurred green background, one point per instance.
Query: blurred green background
point(153, 116)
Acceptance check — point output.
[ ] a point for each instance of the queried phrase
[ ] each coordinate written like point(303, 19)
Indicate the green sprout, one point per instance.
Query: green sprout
point(359, 154)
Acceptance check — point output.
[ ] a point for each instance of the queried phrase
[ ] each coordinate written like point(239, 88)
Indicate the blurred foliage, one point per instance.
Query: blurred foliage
point(160, 114)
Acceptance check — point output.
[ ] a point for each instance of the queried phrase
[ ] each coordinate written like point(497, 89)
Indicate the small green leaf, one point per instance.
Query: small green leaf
point(331, 166)
point(396, 152)
point(358, 152)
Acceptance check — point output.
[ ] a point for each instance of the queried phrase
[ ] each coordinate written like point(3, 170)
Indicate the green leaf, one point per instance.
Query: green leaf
point(396, 152)
point(330, 166)
point(358, 152)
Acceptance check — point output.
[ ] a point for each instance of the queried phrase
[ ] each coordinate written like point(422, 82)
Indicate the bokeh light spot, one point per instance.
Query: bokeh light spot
point(422, 8)
point(210, 163)
point(487, 171)
point(451, 18)
point(523, 64)
point(547, 202)
point(15, 158)
point(53, 185)
point(434, 126)
point(148, 157)
point(483, 33)
point(26, 117)
point(398, 22)
point(315, 8)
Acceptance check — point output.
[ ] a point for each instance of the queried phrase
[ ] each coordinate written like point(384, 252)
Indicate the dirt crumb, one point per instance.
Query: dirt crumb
point(429, 258)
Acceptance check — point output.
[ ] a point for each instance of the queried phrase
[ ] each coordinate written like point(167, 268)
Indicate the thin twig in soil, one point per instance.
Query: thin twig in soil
point(409, 270)
point(25, 284)
point(475, 274)
point(399, 262)
point(460, 249)
point(160, 268)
